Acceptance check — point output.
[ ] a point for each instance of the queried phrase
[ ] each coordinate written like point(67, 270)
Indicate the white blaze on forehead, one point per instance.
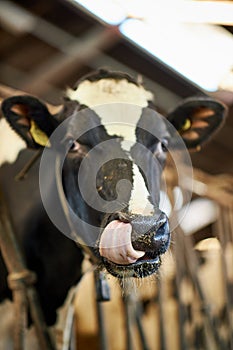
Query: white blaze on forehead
point(110, 91)
point(120, 119)
point(139, 201)
point(10, 143)
point(118, 103)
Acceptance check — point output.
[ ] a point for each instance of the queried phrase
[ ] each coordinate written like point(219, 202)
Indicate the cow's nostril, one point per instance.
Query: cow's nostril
point(163, 232)
point(161, 239)
point(156, 239)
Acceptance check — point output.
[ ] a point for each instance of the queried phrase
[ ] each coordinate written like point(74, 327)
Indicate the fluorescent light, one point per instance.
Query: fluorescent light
point(108, 11)
point(200, 52)
point(215, 12)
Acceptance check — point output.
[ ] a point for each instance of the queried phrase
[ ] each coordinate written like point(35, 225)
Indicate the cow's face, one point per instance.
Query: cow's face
point(116, 150)
point(127, 146)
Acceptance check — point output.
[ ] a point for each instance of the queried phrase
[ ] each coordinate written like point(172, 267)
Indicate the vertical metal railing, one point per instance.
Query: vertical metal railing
point(20, 281)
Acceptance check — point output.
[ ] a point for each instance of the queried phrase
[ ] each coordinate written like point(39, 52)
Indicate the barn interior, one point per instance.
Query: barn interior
point(45, 47)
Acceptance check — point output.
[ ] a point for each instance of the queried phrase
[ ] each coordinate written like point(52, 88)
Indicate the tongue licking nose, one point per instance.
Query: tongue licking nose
point(115, 244)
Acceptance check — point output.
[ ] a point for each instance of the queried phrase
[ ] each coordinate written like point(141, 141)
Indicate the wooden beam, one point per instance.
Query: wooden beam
point(6, 91)
point(215, 187)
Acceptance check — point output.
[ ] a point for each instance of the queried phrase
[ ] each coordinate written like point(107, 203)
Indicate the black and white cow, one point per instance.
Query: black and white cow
point(123, 162)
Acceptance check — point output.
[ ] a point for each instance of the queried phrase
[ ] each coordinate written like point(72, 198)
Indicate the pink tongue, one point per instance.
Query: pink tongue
point(115, 244)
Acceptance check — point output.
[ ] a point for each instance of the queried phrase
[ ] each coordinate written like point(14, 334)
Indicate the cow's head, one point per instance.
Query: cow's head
point(120, 162)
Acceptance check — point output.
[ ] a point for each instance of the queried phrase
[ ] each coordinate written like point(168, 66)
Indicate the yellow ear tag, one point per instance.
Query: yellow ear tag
point(38, 135)
point(186, 125)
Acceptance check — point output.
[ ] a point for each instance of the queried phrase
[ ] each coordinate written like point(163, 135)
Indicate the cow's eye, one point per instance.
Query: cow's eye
point(164, 145)
point(72, 145)
point(160, 148)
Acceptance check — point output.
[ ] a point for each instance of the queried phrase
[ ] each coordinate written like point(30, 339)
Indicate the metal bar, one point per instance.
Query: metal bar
point(128, 321)
point(17, 269)
point(138, 319)
point(180, 273)
point(45, 340)
point(20, 306)
point(163, 345)
point(100, 314)
point(24, 172)
point(12, 256)
point(223, 227)
point(192, 264)
point(101, 328)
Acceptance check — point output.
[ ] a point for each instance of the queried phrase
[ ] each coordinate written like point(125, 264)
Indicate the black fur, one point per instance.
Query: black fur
point(55, 258)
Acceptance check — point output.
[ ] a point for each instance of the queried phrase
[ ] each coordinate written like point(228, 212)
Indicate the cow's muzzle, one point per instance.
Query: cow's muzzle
point(150, 235)
point(131, 245)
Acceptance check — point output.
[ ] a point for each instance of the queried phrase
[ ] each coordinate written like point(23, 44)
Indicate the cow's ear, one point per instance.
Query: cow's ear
point(30, 118)
point(197, 119)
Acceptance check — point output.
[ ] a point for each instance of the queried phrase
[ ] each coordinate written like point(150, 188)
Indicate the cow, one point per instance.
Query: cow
point(98, 177)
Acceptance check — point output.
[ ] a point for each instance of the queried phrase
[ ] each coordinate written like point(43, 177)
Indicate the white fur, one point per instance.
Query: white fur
point(139, 202)
point(118, 103)
point(120, 119)
point(110, 91)
point(10, 143)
